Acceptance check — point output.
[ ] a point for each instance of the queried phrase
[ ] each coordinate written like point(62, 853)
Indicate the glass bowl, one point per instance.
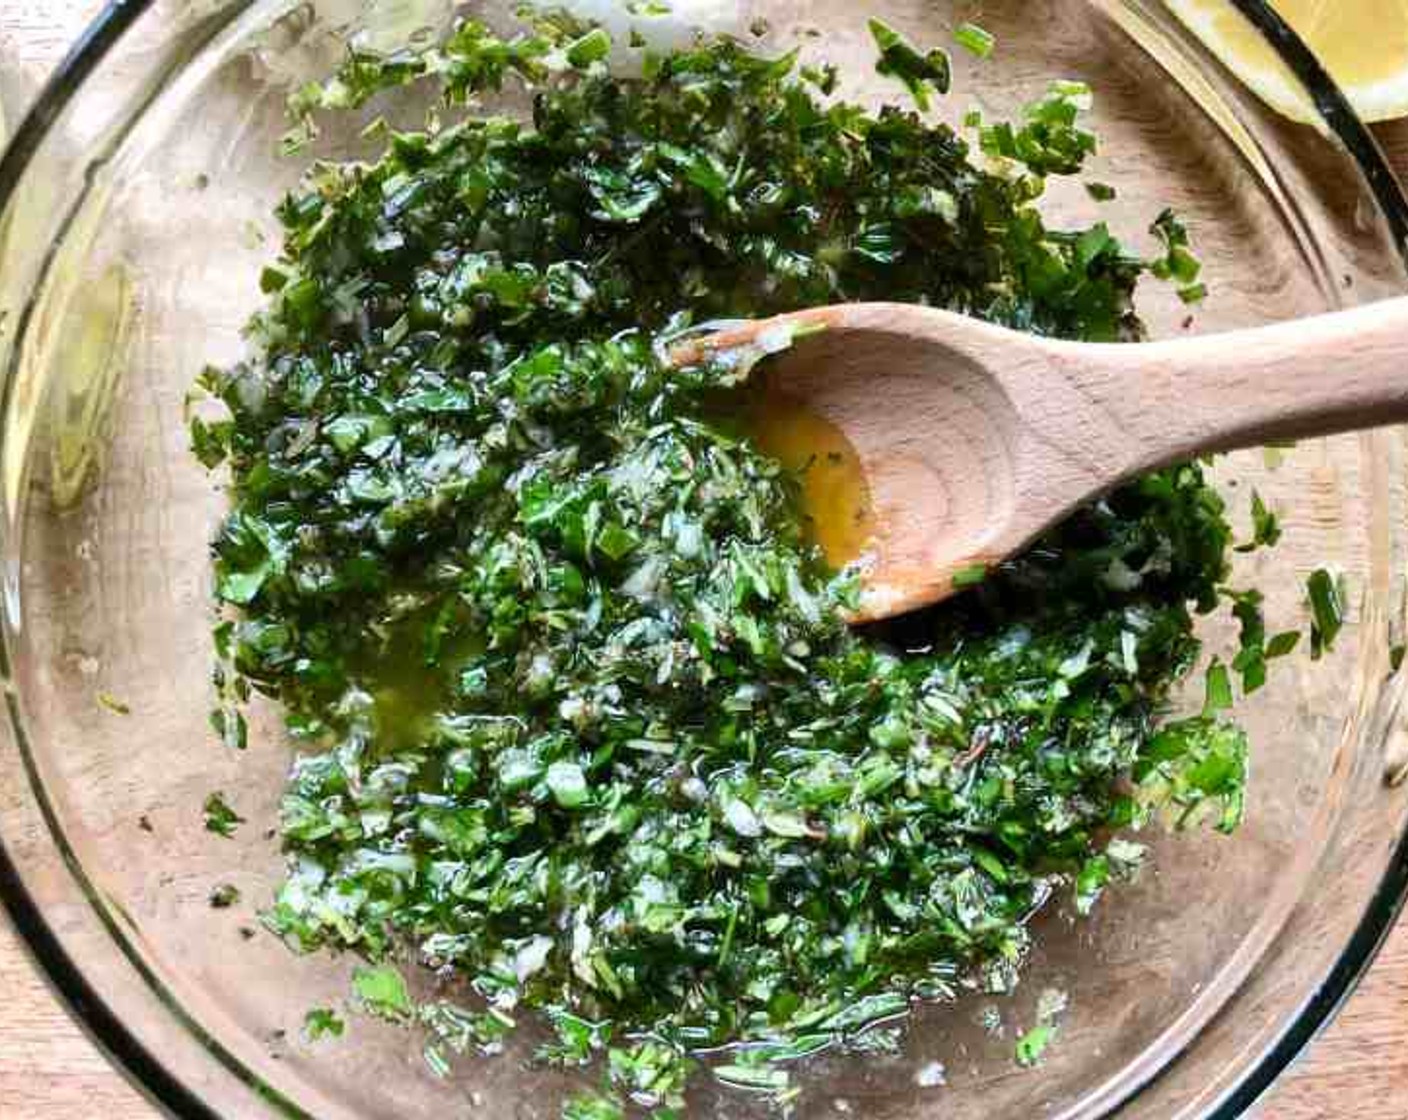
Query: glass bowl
point(137, 202)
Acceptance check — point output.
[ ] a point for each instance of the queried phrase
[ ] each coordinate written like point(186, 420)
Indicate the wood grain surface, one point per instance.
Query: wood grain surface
point(50, 1070)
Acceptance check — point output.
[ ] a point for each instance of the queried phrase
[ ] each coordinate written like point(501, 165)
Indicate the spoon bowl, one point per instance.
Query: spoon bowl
point(971, 439)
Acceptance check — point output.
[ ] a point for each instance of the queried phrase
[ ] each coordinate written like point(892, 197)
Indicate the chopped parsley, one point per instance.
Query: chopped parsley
point(579, 717)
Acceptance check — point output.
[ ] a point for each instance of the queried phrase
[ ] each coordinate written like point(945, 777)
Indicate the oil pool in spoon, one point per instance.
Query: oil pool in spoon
point(833, 498)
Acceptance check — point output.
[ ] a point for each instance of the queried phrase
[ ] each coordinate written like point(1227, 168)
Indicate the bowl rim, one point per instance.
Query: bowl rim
point(145, 1070)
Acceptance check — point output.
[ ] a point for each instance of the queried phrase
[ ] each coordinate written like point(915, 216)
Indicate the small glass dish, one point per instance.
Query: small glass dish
point(135, 214)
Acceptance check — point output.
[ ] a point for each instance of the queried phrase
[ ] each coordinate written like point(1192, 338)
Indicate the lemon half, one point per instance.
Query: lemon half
point(1362, 43)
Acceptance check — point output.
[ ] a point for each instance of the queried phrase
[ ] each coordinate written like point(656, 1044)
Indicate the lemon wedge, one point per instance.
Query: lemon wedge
point(1362, 43)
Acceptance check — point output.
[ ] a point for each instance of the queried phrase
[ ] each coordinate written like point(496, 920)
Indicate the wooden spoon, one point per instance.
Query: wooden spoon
point(973, 439)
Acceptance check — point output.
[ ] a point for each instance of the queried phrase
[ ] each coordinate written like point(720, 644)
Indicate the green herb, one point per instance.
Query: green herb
point(322, 1022)
point(567, 784)
point(219, 817)
point(229, 724)
point(1326, 596)
point(753, 1077)
point(1195, 769)
point(594, 46)
point(383, 992)
point(1218, 696)
point(113, 704)
point(435, 1060)
point(209, 440)
point(461, 1030)
point(1178, 262)
point(1251, 656)
point(974, 39)
point(923, 74)
point(581, 720)
point(224, 896)
point(1100, 192)
point(970, 576)
point(1266, 527)
point(1090, 883)
point(650, 1073)
point(577, 1038)
point(592, 1106)
point(1032, 1045)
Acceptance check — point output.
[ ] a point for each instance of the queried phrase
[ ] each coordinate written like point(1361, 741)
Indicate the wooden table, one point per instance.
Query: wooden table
point(50, 1070)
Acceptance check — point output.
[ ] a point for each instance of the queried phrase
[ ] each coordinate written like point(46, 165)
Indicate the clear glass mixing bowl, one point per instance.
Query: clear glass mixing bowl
point(136, 216)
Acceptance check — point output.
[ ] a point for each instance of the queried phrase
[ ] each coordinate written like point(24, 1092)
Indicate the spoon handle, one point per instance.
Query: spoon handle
point(1309, 377)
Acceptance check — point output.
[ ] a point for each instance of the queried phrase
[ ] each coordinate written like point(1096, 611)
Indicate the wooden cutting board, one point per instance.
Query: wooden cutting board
point(51, 1070)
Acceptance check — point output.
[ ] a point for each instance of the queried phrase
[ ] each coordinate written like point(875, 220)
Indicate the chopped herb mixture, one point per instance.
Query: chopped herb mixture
point(580, 718)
